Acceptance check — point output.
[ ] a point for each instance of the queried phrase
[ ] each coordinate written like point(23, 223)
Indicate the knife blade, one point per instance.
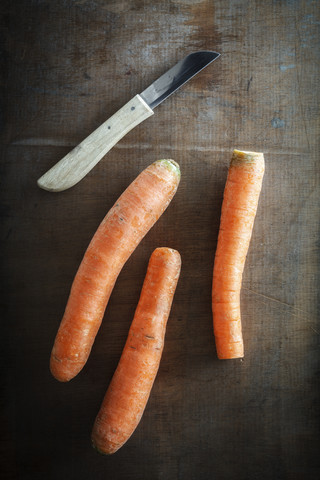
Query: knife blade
point(76, 164)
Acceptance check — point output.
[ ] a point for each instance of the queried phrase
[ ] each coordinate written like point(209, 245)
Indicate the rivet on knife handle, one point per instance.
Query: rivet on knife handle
point(77, 163)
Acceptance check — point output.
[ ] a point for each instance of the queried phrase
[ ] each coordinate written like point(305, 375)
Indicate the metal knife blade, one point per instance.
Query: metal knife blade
point(177, 76)
point(77, 163)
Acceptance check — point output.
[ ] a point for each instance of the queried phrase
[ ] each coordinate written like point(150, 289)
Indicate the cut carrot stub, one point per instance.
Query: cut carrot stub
point(240, 202)
point(128, 221)
point(130, 387)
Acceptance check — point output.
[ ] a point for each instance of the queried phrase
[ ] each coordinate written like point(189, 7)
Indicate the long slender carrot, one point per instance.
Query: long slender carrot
point(128, 221)
point(130, 387)
point(238, 212)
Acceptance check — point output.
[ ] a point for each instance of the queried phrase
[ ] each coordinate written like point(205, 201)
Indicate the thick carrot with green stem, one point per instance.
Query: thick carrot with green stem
point(128, 221)
point(130, 387)
point(238, 212)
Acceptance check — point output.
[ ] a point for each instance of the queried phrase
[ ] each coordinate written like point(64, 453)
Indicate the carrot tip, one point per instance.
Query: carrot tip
point(229, 357)
point(94, 446)
point(171, 164)
point(102, 452)
point(242, 157)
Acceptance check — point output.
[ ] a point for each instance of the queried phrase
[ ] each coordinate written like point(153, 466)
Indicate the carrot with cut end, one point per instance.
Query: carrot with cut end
point(238, 212)
point(130, 387)
point(128, 221)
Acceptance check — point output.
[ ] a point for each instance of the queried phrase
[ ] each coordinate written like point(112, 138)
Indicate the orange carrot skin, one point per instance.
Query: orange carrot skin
point(238, 212)
point(128, 221)
point(130, 387)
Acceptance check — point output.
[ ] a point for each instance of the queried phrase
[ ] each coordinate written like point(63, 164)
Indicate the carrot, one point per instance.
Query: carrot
point(239, 208)
point(128, 221)
point(130, 387)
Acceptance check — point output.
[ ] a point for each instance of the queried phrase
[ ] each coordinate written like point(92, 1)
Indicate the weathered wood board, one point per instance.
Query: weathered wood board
point(68, 65)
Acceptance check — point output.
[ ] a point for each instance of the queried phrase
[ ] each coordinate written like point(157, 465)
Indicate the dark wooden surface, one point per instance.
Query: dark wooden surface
point(68, 65)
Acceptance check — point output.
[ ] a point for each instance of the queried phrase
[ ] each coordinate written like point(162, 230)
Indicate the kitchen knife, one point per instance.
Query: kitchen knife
point(77, 163)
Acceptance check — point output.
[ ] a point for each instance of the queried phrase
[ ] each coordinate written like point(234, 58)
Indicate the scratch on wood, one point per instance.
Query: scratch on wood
point(277, 301)
point(315, 330)
point(52, 142)
point(299, 89)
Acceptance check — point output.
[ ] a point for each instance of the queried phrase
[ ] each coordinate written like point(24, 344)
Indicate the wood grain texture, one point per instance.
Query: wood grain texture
point(68, 66)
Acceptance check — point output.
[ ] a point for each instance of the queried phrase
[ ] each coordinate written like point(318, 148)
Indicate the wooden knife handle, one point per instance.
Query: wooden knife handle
point(77, 163)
